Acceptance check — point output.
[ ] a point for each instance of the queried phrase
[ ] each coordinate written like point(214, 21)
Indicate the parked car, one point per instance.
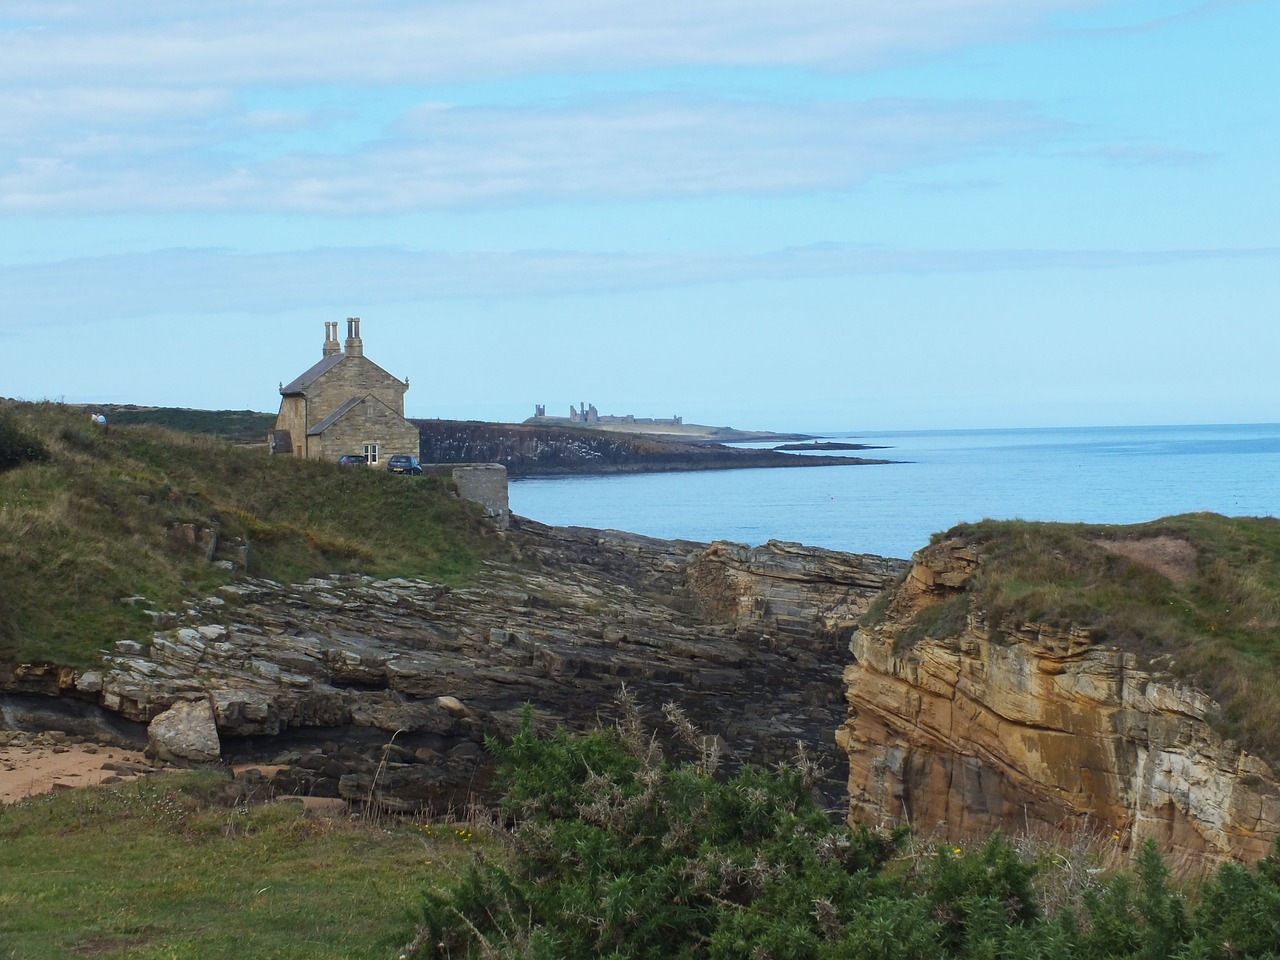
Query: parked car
point(403, 463)
point(354, 459)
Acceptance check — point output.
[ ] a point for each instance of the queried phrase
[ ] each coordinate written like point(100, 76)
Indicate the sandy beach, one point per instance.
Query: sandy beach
point(36, 764)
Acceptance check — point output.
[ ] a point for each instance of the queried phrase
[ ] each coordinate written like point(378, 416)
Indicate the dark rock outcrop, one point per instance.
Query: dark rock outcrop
point(536, 450)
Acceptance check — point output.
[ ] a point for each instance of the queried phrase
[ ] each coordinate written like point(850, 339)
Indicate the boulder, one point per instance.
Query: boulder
point(185, 732)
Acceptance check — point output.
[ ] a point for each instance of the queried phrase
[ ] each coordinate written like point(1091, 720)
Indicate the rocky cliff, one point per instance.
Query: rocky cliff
point(531, 450)
point(385, 689)
point(963, 728)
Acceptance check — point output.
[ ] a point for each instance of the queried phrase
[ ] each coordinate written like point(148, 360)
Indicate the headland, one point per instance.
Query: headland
point(553, 447)
point(542, 446)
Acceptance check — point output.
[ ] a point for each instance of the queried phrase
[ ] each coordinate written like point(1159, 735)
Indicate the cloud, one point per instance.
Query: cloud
point(1123, 20)
point(440, 156)
point(237, 106)
point(237, 42)
point(195, 281)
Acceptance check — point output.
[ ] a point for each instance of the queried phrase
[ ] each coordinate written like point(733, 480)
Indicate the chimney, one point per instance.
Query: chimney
point(354, 346)
point(331, 338)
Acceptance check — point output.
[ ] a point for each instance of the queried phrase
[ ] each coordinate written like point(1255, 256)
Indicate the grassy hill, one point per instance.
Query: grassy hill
point(110, 514)
point(239, 426)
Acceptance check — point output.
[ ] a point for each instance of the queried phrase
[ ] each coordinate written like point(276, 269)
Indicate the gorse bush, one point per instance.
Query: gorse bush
point(18, 446)
point(618, 853)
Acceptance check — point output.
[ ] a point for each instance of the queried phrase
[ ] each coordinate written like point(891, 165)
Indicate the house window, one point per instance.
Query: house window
point(371, 452)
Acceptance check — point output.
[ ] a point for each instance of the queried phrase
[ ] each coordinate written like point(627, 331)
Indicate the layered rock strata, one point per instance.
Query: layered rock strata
point(385, 689)
point(1039, 728)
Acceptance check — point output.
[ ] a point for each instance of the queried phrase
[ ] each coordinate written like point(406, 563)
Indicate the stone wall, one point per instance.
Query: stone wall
point(485, 484)
point(292, 419)
point(370, 422)
point(354, 377)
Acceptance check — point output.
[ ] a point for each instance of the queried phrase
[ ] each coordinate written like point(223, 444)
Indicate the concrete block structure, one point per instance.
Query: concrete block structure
point(485, 484)
point(344, 404)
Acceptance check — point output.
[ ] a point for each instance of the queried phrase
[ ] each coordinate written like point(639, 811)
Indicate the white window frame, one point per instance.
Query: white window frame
point(371, 453)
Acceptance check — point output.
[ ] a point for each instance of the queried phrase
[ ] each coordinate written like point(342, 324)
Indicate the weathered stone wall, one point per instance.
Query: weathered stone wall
point(485, 484)
point(292, 419)
point(354, 377)
point(370, 422)
point(1041, 729)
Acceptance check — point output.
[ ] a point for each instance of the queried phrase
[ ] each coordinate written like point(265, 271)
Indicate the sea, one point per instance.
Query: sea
point(1112, 475)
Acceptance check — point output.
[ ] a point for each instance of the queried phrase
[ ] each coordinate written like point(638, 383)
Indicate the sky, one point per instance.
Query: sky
point(769, 214)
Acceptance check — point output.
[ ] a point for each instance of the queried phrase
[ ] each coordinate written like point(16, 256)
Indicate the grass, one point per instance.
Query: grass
point(159, 869)
point(1215, 620)
point(105, 519)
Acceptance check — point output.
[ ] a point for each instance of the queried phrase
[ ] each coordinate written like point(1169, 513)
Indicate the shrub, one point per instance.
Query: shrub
point(617, 853)
point(1239, 913)
point(17, 446)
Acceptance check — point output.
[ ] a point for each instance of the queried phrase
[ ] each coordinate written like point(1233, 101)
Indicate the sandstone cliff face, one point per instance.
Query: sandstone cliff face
point(386, 688)
point(1038, 728)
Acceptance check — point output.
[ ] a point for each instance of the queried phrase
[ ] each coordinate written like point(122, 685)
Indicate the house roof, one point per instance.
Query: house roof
point(310, 377)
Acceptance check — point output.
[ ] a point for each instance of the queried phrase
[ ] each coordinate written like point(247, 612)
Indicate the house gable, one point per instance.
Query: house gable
point(363, 424)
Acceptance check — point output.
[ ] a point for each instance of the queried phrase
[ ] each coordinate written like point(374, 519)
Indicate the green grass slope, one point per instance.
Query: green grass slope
point(1198, 593)
point(241, 426)
point(162, 868)
point(104, 518)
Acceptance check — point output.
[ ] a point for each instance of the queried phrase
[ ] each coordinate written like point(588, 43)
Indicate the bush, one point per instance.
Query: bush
point(18, 447)
point(617, 853)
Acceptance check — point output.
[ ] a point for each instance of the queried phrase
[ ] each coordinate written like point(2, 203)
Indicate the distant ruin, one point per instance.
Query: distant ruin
point(587, 414)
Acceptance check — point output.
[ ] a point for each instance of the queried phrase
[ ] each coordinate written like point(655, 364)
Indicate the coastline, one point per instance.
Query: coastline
point(553, 449)
point(676, 433)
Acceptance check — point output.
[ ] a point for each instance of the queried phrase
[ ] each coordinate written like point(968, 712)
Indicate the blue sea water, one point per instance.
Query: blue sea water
point(1087, 474)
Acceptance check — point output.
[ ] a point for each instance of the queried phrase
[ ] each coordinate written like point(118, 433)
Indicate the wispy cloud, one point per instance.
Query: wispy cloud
point(1140, 20)
point(181, 106)
point(384, 41)
point(439, 156)
point(186, 281)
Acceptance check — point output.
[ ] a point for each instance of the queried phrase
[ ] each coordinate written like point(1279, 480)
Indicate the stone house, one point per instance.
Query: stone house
point(345, 404)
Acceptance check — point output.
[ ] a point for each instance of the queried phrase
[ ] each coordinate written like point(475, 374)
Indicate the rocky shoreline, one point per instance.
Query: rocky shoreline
point(536, 450)
point(382, 691)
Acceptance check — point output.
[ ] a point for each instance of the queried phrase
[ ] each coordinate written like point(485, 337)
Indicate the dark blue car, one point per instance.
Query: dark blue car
point(403, 463)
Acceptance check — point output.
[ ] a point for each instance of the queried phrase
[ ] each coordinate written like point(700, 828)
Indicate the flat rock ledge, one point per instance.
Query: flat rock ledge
point(383, 691)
